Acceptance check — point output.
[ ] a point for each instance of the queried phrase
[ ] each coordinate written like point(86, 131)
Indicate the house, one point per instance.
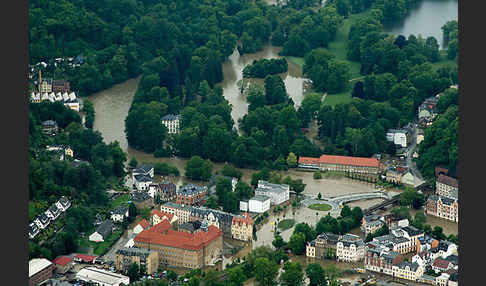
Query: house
point(142, 182)
point(393, 175)
point(371, 223)
point(442, 280)
point(127, 256)
point(423, 259)
point(63, 203)
point(426, 243)
point(350, 248)
point(407, 270)
point(242, 227)
point(259, 204)
point(119, 214)
point(278, 193)
point(427, 110)
point(442, 207)
point(420, 136)
point(166, 191)
point(102, 232)
point(381, 259)
point(102, 277)
point(172, 123)
point(60, 86)
point(441, 265)
point(141, 199)
point(49, 127)
point(446, 248)
point(53, 212)
point(341, 164)
point(40, 270)
point(44, 85)
point(83, 258)
point(144, 169)
point(33, 230)
point(141, 225)
point(63, 264)
point(157, 217)
point(400, 137)
point(395, 221)
point(447, 187)
point(398, 244)
point(244, 206)
point(409, 178)
point(191, 194)
point(181, 212)
point(44, 220)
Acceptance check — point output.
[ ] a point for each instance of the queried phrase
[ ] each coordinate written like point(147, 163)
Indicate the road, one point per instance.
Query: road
point(409, 155)
point(111, 254)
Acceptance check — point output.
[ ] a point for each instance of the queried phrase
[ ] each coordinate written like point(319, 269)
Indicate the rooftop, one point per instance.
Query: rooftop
point(170, 117)
point(341, 160)
point(143, 178)
point(260, 198)
point(38, 264)
point(62, 260)
point(275, 188)
point(448, 180)
point(133, 251)
point(99, 275)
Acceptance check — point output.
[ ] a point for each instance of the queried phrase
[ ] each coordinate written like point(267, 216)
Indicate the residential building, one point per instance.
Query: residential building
point(393, 175)
point(259, 204)
point(401, 245)
point(84, 258)
point(141, 225)
point(400, 137)
point(63, 264)
point(408, 270)
point(441, 265)
point(103, 231)
point(424, 259)
point(341, 164)
point(102, 277)
point(409, 178)
point(144, 169)
point(453, 279)
point(182, 249)
point(49, 127)
point(166, 191)
point(33, 230)
point(350, 248)
point(447, 187)
point(44, 220)
point(381, 259)
point(411, 233)
point(427, 110)
point(158, 216)
point(242, 227)
point(142, 199)
point(442, 280)
point(426, 243)
point(60, 85)
point(40, 270)
point(191, 194)
point(394, 221)
point(53, 212)
point(142, 182)
point(442, 207)
point(127, 256)
point(278, 193)
point(172, 123)
point(183, 213)
point(119, 214)
point(63, 203)
point(420, 136)
point(244, 206)
point(45, 85)
point(371, 223)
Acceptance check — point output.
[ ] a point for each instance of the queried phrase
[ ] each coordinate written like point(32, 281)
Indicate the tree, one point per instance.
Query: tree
point(278, 241)
point(317, 175)
point(198, 169)
point(133, 162)
point(316, 274)
point(306, 230)
point(358, 90)
point(132, 212)
point(319, 196)
point(292, 160)
point(346, 211)
point(171, 275)
point(231, 171)
point(236, 276)
point(265, 271)
point(297, 243)
point(133, 272)
point(211, 278)
point(292, 274)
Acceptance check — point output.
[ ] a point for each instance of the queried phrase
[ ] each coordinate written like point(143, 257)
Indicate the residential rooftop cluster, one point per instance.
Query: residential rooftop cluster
point(51, 214)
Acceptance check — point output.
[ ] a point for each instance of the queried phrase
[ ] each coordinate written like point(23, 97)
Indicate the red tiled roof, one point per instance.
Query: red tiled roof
point(447, 180)
point(441, 263)
point(161, 227)
point(62, 260)
point(246, 219)
point(85, 258)
point(179, 239)
point(162, 214)
point(346, 160)
point(440, 170)
point(308, 160)
point(144, 224)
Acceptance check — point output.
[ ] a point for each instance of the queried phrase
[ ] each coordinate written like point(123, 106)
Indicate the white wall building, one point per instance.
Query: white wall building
point(398, 136)
point(172, 123)
point(278, 193)
point(142, 182)
point(259, 204)
point(350, 251)
point(243, 206)
point(102, 277)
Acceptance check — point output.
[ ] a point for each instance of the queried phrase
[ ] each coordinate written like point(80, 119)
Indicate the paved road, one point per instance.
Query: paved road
point(111, 254)
point(409, 156)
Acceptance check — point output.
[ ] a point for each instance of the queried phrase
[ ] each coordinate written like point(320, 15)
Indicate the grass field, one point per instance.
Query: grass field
point(296, 60)
point(123, 199)
point(286, 224)
point(320, 207)
point(333, 99)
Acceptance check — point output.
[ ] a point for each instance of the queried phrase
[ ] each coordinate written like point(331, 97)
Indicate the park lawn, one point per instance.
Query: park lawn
point(286, 224)
point(320, 207)
point(333, 99)
point(296, 60)
point(123, 199)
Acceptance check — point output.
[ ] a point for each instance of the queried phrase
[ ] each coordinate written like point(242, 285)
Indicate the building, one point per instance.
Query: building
point(278, 193)
point(400, 137)
point(427, 110)
point(420, 136)
point(182, 249)
point(33, 230)
point(53, 212)
point(127, 256)
point(144, 169)
point(371, 223)
point(447, 186)
point(244, 206)
point(44, 220)
point(49, 127)
point(242, 227)
point(401, 245)
point(411, 233)
point(393, 175)
point(103, 231)
point(424, 259)
point(408, 270)
point(381, 259)
point(84, 258)
point(40, 270)
point(142, 199)
point(191, 194)
point(44, 85)
point(259, 204)
point(102, 277)
point(442, 280)
point(425, 243)
point(63, 203)
point(60, 85)
point(394, 221)
point(453, 279)
point(350, 248)
point(172, 123)
point(157, 217)
point(183, 213)
point(165, 190)
point(142, 182)
point(63, 264)
point(119, 214)
point(442, 207)
point(341, 164)
point(141, 225)
point(441, 265)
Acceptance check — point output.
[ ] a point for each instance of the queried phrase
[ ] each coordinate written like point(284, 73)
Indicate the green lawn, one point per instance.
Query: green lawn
point(286, 224)
point(320, 207)
point(333, 99)
point(123, 199)
point(296, 60)
point(100, 248)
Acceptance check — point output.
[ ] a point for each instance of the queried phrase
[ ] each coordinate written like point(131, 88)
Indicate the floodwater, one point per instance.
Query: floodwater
point(426, 19)
point(233, 73)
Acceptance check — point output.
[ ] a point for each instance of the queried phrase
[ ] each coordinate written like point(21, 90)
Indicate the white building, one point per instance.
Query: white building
point(243, 206)
point(142, 182)
point(172, 123)
point(259, 204)
point(119, 214)
point(350, 248)
point(398, 136)
point(102, 277)
point(408, 270)
point(278, 193)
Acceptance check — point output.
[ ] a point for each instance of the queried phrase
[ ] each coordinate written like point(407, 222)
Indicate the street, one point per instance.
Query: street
point(111, 254)
point(409, 156)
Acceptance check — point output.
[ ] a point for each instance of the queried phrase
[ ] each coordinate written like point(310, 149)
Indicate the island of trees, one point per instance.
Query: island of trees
point(263, 67)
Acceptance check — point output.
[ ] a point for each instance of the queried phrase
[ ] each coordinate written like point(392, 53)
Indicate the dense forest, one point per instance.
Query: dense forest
point(264, 67)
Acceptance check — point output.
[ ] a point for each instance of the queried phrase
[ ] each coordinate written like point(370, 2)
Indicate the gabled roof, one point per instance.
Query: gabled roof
point(144, 224)
point(120, 210)
point(162, 214)
point(62, 260)
point(86, 258)
point(448, 181)
point(146, 167)
point(170, 117)
point(105, 228)
point(38, 264)
point(143, 178)
point(341, 160)
point(140, 196)
point(244, 219)
point(441, 263)
point(309, 160)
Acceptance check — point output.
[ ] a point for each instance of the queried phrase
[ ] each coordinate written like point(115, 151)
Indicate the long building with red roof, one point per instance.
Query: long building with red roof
point(341, 163)
point(182, 249)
